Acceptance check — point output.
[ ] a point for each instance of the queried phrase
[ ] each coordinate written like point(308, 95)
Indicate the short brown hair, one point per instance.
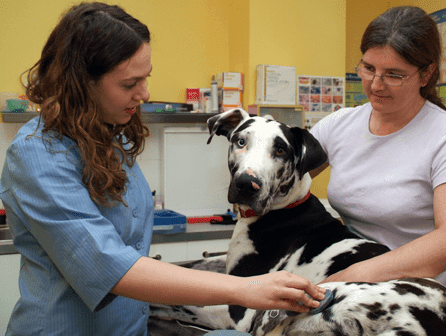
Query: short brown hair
point(414, 36)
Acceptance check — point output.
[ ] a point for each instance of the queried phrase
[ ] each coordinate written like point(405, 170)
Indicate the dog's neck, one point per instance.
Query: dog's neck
point(297, 195)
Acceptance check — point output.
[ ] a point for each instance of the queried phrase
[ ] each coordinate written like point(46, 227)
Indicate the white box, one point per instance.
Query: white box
point(229, 99)
point(204, 101)
point(230, 80)
point(276, 84)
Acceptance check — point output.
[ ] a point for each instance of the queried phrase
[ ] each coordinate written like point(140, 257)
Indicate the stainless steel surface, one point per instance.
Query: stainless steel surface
point(18, 117)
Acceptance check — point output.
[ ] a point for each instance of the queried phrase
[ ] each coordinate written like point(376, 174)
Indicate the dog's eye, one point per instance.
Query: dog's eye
point(241, 142)
point(280, 151)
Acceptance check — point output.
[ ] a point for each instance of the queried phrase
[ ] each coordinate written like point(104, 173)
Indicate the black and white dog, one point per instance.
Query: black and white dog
point(283, 227)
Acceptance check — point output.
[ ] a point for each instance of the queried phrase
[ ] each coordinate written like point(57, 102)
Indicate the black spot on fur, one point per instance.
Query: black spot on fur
point(359, 327)
point(427, 283)
point(404, 289)
point(284, 189)
point(361, 252)
point(401, 332)
point(237, 313)
point(288, 152)
point(327, 313)
point(368, 284)
point(244, 126)
point(233, 167)
point(375, 310)
point(280, 172)
point(430, 321)
point(394, 307)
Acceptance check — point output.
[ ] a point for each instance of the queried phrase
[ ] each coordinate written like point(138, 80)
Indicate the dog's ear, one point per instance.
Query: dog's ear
point(312, 155)
point(224, 123)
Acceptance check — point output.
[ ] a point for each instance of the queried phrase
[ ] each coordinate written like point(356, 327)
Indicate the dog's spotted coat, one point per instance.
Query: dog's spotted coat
point(269, 163)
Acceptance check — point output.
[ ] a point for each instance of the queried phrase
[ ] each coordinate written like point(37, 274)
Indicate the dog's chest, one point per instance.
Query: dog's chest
point(240, 244)
point(259, 249)
point(292, 241)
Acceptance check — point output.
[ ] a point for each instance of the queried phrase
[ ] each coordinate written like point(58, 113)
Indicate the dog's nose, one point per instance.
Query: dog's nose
point(247, 184)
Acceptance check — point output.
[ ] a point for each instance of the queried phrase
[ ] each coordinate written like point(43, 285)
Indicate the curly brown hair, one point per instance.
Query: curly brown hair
point(90, 40)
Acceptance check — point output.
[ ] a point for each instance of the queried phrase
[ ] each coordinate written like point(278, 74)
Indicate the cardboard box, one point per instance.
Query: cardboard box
point(276, 85)
point(229, 99)
point(230, 80)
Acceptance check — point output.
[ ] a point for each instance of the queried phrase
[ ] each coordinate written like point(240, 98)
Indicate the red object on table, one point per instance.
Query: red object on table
point(204, 219)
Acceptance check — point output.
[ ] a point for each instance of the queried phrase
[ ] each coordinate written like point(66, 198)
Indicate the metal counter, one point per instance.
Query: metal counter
point(194, 232)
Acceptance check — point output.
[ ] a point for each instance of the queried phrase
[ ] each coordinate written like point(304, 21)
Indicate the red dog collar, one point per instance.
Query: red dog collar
point(250, 213)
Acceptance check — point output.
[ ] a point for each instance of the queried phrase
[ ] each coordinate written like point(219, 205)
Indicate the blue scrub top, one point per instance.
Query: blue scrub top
point(73, 251)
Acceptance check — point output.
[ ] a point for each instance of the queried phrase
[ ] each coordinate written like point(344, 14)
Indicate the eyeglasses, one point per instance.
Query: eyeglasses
point(388, 79)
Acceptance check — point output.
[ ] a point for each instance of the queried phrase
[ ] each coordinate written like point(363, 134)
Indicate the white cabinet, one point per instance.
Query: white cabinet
point(188, 251)
point(206, 248)
point(172, 252)
point(9, 287)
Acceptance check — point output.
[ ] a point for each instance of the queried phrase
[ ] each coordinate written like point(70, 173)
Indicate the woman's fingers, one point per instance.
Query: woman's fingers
point(282, 290)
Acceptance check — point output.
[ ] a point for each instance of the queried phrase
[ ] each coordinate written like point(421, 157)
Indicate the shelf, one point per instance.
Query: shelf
point(194, 233)
point(147, 118)
point(167, 118)
point(9, 117)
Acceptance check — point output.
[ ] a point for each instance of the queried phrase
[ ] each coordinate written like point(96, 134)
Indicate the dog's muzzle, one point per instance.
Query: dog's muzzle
point(244, 189)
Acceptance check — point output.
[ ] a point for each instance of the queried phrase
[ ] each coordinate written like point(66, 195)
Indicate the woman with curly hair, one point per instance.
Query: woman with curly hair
point(79, 207)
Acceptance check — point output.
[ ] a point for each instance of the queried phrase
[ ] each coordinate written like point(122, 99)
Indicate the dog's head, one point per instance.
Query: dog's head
point(266, 158)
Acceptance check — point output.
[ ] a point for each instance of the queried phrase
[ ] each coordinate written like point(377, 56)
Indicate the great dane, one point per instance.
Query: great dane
point(281, 226)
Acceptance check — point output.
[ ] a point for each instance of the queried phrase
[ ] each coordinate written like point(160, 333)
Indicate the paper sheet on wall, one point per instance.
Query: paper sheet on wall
point(354, 92)
point(319, 96)
point(440, 18)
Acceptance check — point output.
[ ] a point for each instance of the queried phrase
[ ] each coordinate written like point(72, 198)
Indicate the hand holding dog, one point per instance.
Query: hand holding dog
point(354, 273)
point(280, 290)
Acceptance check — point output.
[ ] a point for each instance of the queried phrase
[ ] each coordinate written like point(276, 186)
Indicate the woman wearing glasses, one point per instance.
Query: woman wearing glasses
point(388, 157)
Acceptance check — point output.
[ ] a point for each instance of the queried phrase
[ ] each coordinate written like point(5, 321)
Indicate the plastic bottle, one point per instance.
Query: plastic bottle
point(214, 96)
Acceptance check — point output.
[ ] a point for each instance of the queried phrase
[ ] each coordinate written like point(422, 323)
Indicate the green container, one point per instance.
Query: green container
point(17, 105)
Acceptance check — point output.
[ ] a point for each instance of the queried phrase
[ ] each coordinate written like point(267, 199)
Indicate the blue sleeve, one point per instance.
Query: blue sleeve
point(44, 190)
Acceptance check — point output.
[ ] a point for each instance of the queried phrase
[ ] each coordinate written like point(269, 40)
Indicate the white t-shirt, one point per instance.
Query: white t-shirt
point(383, 186)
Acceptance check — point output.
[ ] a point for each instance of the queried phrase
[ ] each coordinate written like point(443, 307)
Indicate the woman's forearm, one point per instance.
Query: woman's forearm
point(158, 282)
point(424, 257)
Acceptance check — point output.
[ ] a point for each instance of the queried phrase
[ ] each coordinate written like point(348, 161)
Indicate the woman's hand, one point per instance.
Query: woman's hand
point(279, 290)
point(359, 272)
point(348, 275)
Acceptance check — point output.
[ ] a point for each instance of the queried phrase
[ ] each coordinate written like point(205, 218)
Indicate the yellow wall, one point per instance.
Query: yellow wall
point(195, 39)
point(190, 40)
point(309, 35)
point(361, 13)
